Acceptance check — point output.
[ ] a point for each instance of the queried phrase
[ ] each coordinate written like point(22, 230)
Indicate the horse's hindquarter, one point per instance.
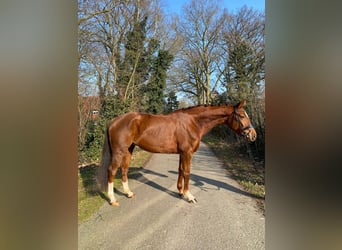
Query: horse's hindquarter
point(120, 130)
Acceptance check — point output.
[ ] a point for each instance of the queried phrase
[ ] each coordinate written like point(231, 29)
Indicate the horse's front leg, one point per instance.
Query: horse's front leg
point(185, 164)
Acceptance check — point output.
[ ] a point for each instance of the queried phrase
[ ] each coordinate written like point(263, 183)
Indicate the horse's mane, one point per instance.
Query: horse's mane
point(201, 106)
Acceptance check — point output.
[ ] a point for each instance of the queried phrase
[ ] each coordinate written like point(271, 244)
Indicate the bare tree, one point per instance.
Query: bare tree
point(200, 54)
point(89, 70)
point(104, 26)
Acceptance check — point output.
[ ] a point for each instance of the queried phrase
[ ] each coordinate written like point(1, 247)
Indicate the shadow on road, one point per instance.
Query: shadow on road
point(139, 174)
point(143, 179)
point(200, 182)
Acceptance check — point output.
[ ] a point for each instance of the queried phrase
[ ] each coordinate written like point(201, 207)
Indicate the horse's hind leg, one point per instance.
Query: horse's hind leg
point(111, 176)
point(124, 171)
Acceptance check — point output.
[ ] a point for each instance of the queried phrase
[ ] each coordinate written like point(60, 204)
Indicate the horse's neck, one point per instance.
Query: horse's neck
point(212, 116)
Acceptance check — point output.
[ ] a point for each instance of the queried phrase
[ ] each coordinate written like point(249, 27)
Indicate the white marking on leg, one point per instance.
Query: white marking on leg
point(189, 196)
point(111, 192)
point(127, 190)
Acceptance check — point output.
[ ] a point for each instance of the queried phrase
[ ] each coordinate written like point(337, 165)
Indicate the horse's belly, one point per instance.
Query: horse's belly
point(156, 144)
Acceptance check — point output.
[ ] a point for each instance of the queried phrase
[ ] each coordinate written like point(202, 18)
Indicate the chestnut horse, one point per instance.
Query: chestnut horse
point(179, 132)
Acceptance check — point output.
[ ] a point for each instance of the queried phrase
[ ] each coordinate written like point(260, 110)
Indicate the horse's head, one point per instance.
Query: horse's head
point(239, 122)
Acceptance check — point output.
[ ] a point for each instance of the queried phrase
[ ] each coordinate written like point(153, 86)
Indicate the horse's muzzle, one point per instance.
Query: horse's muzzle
point(250, 134)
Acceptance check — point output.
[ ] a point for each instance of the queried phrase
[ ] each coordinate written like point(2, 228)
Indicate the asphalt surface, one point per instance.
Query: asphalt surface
point(225, 217)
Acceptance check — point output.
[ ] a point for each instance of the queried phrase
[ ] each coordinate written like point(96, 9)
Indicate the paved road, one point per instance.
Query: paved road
point(225, 217)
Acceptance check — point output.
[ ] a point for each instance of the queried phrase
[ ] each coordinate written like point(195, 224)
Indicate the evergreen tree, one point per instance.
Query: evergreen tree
point(134, 68)
point(157, 82)
point(239, 77)
point(172, 102)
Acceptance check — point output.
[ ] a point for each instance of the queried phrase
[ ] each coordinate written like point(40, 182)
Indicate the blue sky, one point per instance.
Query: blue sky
point(231, 5)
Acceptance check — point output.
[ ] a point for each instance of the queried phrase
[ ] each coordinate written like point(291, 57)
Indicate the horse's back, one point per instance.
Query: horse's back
point(122, 120)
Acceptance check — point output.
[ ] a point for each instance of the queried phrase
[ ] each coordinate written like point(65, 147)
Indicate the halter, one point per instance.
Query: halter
point(235, 116)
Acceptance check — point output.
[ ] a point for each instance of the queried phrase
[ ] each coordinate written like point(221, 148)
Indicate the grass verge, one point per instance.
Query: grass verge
point(248, 173)
point(89, 199)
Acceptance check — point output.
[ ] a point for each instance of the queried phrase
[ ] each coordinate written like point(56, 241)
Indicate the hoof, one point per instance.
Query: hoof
point(130, 195)
point(114, 204)
point(194, 201)
point(190, 198)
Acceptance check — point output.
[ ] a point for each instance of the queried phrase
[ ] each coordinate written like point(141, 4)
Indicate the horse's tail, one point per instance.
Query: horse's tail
point(102, 173)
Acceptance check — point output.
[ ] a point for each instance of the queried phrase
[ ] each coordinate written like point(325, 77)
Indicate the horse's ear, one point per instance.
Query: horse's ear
point(240, 104)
